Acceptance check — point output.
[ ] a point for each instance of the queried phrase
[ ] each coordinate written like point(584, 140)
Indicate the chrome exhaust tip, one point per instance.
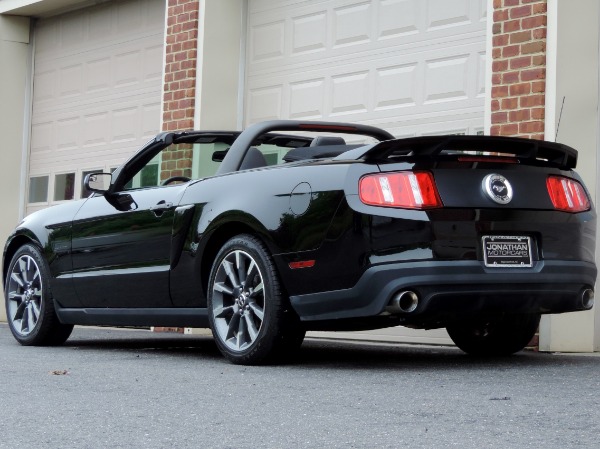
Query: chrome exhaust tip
point(403, 302)
point(587, 298)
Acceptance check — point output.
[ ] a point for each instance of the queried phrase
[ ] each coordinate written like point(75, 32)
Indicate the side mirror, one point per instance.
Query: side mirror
point(97, 182)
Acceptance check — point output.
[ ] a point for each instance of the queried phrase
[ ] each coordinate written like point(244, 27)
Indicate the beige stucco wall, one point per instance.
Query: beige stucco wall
point(14, 54)
point(573, 34)
point(221, 30)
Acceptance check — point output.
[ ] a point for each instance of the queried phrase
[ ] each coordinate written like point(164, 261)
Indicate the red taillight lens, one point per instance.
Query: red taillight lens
point(567, 194)
point(408, 190)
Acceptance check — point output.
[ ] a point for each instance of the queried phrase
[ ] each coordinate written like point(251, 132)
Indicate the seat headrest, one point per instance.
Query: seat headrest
point(253, 159)
point(327, 140)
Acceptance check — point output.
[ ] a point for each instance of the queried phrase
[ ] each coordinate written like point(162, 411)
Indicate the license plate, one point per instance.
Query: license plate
point(503, 251)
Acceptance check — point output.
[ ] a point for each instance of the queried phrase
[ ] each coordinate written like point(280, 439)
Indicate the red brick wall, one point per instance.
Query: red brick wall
point(180, 65)
point(519, 68)
point(176, 161)
point(179, 99)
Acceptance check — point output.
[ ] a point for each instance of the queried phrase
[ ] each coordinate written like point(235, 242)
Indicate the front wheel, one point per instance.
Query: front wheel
point(29, 304)
point(496, 336)
point(246, 308)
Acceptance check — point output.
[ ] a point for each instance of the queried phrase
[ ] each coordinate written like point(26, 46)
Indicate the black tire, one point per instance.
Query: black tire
point(29, 305)
point(291, 336)
point(248, 314)
point(494, 336)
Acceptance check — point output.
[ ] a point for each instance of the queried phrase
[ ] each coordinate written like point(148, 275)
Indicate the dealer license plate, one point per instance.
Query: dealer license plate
point(504, 251)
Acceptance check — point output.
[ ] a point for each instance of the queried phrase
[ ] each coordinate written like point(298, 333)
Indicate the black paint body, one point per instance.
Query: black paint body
point(112, 264)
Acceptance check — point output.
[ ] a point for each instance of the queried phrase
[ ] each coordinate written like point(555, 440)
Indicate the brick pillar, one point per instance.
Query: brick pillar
point(179, 97)
point(519, 68)
point(179, 100)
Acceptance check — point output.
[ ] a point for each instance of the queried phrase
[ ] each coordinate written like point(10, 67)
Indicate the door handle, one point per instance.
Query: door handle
point(160, 208)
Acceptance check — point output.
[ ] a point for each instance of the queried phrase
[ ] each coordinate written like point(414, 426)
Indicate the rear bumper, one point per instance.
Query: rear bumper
point(448, 290)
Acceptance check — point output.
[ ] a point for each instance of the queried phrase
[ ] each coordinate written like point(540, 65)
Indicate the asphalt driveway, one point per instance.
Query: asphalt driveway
point(109, 388)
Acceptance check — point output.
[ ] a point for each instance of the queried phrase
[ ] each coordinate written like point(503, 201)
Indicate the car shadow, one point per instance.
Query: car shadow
point(321, 353)
point(174, 344)
point(406, 357)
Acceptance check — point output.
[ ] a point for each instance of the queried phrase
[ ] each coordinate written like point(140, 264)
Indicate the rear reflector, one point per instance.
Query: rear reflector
point(407, 190)
point(567, 194)
point(302, 264)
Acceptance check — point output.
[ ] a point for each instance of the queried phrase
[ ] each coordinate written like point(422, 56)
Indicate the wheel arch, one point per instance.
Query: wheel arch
point(12, 246)
point(218, 236)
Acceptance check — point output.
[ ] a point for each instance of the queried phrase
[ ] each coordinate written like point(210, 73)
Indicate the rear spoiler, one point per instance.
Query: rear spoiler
point(559, 154)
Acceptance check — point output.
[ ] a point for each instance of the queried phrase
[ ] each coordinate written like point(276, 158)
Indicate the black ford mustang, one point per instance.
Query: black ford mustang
point(262, 235)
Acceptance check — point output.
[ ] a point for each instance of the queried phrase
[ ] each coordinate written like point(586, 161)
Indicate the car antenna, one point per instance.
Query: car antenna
point(559, 117)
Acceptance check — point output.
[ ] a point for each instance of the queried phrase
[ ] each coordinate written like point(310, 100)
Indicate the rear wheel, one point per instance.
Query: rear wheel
point(494, 336)
point(246, 309)
point(29, 305)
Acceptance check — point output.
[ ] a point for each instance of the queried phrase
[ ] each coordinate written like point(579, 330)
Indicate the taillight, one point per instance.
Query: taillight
point(567, 194)
point(407, 190)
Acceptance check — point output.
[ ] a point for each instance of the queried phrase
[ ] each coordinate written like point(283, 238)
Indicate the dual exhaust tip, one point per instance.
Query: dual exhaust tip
point(407, 301)
point(403, 302)
point(587, 298)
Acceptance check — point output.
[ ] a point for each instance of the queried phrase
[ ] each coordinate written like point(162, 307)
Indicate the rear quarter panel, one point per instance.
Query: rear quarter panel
point(289, 207)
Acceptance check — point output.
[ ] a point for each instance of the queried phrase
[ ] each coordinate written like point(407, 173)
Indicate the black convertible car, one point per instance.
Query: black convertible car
point(264, 234)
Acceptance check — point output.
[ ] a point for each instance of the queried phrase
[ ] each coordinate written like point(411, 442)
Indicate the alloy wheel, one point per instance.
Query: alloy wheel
point(238, 301)
point(24, 296)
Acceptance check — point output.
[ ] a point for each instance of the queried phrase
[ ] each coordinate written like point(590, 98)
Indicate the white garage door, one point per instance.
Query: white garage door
point(413, 67)
point(97, 93)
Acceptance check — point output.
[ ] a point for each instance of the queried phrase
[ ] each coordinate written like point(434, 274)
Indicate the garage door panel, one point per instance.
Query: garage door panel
point(311, 32)
point(110, 72)
point(42, 138)
point(267, 41)
point(307, 99)
point(395, 86)
point(373, 60)
point(446, 79)
point(265, 103)
point(331, 58)
point(95, 129)
point(68, 133)
point(398, 18)
point(447, 13)
point(400, 87)
point(352, 24)
point(349, 93)
point(121, 130)
point(45, 82)
point(99, 157)
point(70, 80)
point(101, 26)
point(97, 87)
point(97, 75)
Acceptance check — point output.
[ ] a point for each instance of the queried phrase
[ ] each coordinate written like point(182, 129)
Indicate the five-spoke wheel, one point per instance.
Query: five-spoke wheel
point(29, 309)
